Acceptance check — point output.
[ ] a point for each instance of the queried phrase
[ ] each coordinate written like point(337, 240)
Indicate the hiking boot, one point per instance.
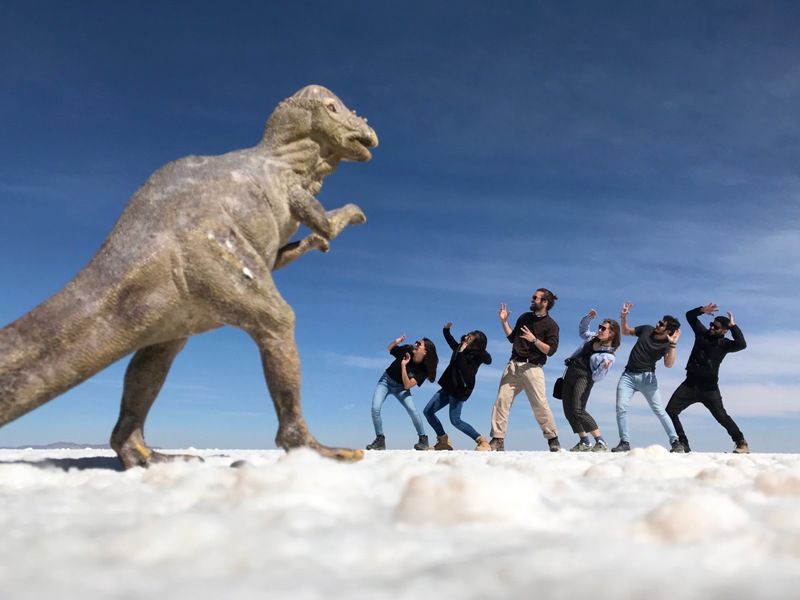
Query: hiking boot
point(581, 447)
point(483, 444)
point(553, 444)
point(741, 447)
point(623, 446)
point(442, 443)
point(379, 443)
point(676, 447)
point(600, 446)
point(498, 444)
point(422, 444)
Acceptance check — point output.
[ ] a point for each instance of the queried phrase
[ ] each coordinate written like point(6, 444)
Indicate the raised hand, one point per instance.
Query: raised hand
point(591, 314)
point(673, 339)
point(400, 340)
point(504, 313)
point(626, 308)
point(709, 308)
point(730, 316)
point(448, 325)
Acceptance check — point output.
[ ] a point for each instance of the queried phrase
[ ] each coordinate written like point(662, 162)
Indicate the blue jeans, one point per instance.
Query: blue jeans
point(388, 386)
point(647, 384)
point(438, 402)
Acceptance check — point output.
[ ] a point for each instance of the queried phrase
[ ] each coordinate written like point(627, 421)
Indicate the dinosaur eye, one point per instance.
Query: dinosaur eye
point(331, 106)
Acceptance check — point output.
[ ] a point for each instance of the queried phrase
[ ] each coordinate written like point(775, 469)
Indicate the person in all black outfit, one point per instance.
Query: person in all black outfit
point(458, 381)
point(702, 374)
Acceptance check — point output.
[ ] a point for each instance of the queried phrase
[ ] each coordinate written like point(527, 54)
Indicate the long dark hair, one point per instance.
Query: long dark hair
point(431, 359)
point(479, 341)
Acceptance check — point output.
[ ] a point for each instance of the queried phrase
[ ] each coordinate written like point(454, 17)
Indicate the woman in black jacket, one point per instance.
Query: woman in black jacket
point(458, 381)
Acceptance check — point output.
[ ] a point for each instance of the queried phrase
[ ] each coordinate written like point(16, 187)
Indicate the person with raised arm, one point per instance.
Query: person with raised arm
point(458, 381)
point(652, 345)
point(412, 365)
point(588, 364)
point(533, 338)
point(702, 373)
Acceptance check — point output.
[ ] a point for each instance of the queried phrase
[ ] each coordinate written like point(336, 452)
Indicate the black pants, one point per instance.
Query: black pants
point(688, 394)
point(577, 385)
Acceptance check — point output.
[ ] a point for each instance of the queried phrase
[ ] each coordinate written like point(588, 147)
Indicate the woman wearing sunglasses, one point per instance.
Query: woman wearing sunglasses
point(411, 367)
point(588, 364)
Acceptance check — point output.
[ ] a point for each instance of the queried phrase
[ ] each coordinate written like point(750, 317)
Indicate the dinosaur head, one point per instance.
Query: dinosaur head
point(316, 113)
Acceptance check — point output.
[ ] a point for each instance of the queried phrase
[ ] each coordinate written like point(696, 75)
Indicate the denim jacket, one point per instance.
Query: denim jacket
point(595, 360)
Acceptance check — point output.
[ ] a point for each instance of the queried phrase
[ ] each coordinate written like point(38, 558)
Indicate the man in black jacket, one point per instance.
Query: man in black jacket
point(702, 373)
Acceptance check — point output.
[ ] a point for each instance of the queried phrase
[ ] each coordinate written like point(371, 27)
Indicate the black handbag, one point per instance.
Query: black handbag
point(558, 388)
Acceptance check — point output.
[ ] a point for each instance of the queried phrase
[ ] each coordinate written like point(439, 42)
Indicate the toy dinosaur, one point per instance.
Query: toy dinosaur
point(192, 251)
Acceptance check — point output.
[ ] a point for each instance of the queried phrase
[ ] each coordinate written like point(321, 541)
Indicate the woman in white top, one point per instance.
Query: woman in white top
point(588, 364)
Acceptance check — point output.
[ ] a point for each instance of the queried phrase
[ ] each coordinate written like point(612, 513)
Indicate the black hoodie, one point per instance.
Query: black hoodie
point(458, 378)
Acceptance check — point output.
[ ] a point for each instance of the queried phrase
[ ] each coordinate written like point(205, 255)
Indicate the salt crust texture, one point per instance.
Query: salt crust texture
point(401, 524)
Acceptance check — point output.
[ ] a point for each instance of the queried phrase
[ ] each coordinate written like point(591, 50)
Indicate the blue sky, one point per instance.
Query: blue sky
point(609, 151)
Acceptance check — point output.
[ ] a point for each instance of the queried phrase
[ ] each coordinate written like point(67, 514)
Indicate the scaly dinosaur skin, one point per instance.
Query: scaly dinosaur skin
point(193, 251)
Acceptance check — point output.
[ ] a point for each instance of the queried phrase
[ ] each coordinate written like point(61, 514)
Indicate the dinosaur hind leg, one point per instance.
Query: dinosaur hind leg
point(144, 378)
point(270, 322)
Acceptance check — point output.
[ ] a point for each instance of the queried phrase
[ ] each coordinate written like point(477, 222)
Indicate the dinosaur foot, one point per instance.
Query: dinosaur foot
point(298, 437)
point(340, 454)
point(139, 455)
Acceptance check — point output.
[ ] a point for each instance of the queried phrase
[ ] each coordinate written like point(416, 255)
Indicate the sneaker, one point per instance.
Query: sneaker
point(553, 444)
point(685, 445)
point(498, 444)
point(422, 444)
point(676, 447)
point(379, 443)
point(600, 446)
point(581, 447)
point(741, 447)
point(623, 446)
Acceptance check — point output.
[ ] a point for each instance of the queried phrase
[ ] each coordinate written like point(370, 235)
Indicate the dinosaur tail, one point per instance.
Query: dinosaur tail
point(57, 345)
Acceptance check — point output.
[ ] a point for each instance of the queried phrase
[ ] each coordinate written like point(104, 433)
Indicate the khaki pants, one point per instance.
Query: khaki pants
point(517, 377)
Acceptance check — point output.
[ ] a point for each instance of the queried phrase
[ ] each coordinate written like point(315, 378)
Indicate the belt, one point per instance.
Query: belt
point(532, 361)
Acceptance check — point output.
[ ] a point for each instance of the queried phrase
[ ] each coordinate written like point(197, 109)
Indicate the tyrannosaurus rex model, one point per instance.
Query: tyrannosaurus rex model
point(193, 251)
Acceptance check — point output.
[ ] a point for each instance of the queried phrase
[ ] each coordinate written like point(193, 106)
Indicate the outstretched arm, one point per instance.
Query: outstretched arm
point(294, 250)
point(669, 357)
point(394, 343)
point(623, 320)
point(451, 341)
point(583, 326)
point(738, 342)
point(308, 210)
point(504, 313)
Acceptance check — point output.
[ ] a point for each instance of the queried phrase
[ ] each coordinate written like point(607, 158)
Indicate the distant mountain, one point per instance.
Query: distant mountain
point(60, 446)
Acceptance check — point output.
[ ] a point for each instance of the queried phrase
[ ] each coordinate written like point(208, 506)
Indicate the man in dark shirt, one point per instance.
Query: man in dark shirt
point(702, 373)
point(654, 343)
point(533, 339)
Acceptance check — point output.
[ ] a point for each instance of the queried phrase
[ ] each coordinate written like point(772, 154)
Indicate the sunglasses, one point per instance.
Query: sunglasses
point(715, 326)
point(661, 324)
point(602, 328)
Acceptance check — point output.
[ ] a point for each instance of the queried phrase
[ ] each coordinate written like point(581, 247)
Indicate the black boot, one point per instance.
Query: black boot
point(422, 444)
point(379, 443)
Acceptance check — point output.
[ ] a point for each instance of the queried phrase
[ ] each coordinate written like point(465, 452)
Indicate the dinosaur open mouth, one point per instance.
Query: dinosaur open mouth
point(368, 141)
point(359, 144)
